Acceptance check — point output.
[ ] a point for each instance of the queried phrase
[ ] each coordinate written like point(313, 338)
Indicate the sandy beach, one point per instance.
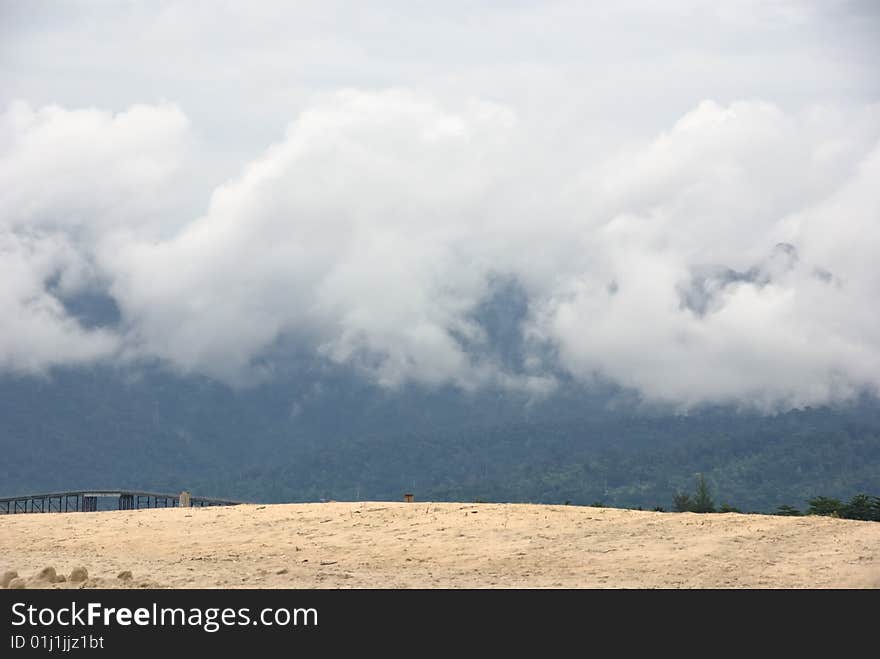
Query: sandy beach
point(436, 545)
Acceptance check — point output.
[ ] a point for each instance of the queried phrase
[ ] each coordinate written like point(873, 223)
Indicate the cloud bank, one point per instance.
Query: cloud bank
point(730, 258)
point(728, 255)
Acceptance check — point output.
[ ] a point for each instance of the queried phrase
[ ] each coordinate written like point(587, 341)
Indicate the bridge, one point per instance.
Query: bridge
point(87, 501)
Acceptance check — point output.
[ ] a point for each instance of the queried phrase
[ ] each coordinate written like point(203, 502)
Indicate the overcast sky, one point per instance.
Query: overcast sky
point(687, 193)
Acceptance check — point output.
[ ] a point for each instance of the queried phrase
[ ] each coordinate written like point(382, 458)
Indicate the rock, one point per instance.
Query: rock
point(78, 574)
point(48, 574)
point(282, 571)
point(125, 575)
point(17, 584)
point(8, 576)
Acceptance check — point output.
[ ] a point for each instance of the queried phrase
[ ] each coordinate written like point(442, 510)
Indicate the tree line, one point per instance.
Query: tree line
point(861, 506)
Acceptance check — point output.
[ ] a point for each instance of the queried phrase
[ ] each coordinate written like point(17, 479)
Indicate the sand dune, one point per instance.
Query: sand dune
point(436, 545)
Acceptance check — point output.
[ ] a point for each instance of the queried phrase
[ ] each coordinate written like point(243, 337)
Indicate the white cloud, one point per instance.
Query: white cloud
point(345, 233)
point(694, 250)
point(703, 206)
point(68, 179)
point(35, 330)
point(86, 168)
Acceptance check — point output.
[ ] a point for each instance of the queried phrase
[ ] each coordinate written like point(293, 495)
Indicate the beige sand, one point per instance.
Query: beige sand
point(448, 545)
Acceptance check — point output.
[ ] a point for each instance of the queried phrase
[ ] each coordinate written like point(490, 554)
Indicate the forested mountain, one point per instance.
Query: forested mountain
point(330, 435)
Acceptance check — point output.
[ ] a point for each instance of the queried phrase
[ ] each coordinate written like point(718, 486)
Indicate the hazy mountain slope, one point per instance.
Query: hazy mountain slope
point(333, 436)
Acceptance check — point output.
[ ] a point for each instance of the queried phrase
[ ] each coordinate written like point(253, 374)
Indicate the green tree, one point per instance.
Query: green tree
point(703, 502)
point(787, 511)
point(859, 507)
point(727, 508)
point(824, 506)
point(681, 502)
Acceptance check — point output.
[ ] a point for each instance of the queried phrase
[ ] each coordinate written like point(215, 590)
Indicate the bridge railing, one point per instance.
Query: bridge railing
point(87, 501)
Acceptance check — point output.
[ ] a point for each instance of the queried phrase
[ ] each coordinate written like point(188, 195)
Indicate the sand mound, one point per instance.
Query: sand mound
point(48, 575)
point(17, 584)
point(8, 576)
point(78, 574)
point(447, 545)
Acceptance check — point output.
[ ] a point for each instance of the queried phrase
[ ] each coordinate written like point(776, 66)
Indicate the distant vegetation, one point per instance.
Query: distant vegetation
point(700, 502)
point(861, 506)
point(331, 436)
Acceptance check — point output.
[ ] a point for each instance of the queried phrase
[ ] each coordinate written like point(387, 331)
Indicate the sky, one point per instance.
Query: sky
point(685, 193)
